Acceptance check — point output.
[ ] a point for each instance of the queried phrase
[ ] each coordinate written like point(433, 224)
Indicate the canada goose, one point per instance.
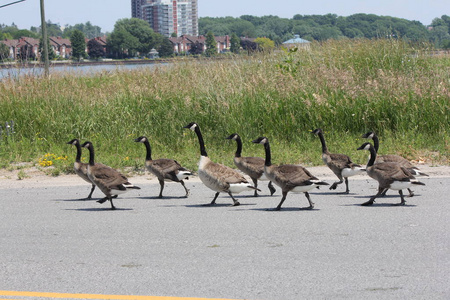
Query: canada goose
point(252, 166)
point(291, 178)
point(164, 169)
point(80, 168)
point(341, 165)
point(389, 175)
point(218, 177)
point(391, 157)
point(108, 180)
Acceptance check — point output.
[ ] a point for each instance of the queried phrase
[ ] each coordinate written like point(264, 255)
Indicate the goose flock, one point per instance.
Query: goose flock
point(390, 171)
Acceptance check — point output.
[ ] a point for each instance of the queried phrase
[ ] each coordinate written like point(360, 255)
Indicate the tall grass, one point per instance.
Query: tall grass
point(345, 87)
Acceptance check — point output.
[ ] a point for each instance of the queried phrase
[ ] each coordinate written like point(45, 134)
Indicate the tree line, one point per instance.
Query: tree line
point(131, 37)
point(330, 26)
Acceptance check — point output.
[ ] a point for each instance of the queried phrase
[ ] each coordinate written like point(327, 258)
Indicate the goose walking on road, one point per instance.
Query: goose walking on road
point(393, 158)
point(218, 177)
point(108, 180)
point(80, 168)
point(390, 175)
point(252, 166)
point(291, 178)
point(341, 165)
point(163, 168)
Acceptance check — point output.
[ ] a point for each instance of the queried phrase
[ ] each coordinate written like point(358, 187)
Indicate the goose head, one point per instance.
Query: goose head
point(365, 146)
point(317, 131)
point(368, 135)
point(74, 142)
point(191, 126)
point(87, 145)
point(141, 139)
point(261, 140)
point(233, 136)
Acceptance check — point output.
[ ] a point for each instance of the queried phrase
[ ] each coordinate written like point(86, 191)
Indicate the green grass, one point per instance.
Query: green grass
point(345, 87)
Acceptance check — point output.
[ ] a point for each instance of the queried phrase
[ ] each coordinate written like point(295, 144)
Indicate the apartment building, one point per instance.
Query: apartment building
point(168, 16)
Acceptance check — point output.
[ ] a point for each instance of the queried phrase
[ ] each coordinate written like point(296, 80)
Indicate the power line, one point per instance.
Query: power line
point(11, 3)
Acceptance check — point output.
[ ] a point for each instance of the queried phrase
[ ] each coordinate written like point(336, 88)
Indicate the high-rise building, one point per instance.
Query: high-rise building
point(168, 16)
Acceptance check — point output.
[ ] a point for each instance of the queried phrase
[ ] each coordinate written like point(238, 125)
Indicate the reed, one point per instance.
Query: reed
point(345, 87)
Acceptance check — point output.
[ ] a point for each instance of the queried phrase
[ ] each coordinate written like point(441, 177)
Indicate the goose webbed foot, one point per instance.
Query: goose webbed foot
point(368, 203)
point(274, 209)
point(411, 193)
point(101, 201)
point(401, 197)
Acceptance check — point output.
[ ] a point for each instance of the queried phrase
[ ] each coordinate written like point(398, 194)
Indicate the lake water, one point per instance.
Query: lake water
point(75, 70)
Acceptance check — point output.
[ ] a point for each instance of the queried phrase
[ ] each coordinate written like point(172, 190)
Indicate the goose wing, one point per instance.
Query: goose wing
point(252, 165)
point(109, 177)
point(295, 175)
point(396, 159)
point(342, 161)
point(392, 171)
point(165, 165)
point(227, 174)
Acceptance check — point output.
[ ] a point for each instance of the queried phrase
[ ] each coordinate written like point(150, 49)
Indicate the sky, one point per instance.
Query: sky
point(105, 13)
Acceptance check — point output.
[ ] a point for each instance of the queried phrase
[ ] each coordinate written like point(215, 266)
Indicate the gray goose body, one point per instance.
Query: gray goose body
point(109, 181)
point(218, 177)
point(163, 168)
point(390, 175)
point(290, 178)
point(81, 168)
point(252, 166)
point(340, 164)
point(393, 158)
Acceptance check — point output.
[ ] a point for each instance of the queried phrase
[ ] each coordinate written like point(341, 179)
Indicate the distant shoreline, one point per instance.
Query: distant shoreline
point(81, 63)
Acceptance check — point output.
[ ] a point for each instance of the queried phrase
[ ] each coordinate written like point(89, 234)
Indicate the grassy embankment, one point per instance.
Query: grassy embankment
point(344, 87)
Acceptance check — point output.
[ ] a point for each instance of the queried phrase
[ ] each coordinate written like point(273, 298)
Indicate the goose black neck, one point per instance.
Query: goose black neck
point(78, 157)
point(239, 147)
point(376, 142)
point(91, 155)
point(324, 145)
point(149, 150)
point(373, 156)
point(268, 161)
point(201, 142)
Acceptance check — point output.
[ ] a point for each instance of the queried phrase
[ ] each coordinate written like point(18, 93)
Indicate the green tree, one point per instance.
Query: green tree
point(235, 43)
point(131, 37)
point(78, 45)
point(196, 48)
point(4, 52)
point(265, 44)
point(17, 34)
point(95, 49)
point(211, 44)
point(51, 53)
point(166, 48)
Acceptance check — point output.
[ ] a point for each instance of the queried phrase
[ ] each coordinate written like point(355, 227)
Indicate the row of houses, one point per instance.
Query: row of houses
point(27, 47)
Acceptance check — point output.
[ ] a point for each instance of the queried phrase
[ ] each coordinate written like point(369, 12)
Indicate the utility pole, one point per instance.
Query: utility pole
point(44, 39)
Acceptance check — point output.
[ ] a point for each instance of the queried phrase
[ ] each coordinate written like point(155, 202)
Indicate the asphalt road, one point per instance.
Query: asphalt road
point(52, 242)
